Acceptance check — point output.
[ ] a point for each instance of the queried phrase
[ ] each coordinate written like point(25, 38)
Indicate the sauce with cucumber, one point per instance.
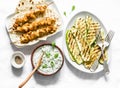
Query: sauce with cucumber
point(51, 61)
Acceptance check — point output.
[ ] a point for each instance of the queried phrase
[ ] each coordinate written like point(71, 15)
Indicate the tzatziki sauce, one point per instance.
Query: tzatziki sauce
point(51, 60)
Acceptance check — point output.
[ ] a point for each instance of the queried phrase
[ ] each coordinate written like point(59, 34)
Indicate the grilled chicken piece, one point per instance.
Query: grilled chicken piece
point(32, 35)
point(35, 25)
point(29, 16)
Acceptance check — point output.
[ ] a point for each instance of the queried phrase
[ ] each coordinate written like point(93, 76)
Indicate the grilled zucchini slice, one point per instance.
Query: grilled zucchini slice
point(73, 47)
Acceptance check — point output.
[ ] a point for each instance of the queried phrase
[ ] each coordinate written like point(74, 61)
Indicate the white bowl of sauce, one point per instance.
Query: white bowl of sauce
point(52, 60)
point(18, 59)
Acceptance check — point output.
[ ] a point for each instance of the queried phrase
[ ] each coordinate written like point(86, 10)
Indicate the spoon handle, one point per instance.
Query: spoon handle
point(27, 79)
point(30, 75)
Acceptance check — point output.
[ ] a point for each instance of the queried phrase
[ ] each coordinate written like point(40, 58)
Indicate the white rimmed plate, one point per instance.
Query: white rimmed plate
point(14, 37)
point(70, 23)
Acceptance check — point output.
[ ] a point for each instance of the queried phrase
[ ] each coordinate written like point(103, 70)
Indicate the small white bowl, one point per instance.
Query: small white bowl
point(18, 59)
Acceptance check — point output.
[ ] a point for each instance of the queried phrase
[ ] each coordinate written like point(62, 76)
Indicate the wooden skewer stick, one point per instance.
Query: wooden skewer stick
point(30, 75)
point(50, 3)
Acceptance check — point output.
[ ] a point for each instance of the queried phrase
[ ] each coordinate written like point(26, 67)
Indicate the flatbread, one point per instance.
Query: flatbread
point(24, 7)
point(27, 5)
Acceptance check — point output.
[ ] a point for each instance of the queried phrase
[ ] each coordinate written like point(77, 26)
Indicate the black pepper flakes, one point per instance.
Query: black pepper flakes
point(22, 3)
point(19, 5)
point(30, 0)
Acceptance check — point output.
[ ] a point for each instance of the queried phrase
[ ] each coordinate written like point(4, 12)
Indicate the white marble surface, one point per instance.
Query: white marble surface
point(109, 13)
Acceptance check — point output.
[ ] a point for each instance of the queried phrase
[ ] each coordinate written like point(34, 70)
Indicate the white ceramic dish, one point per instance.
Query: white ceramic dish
point(14, 37)
point(13, 61)
point(68, 26)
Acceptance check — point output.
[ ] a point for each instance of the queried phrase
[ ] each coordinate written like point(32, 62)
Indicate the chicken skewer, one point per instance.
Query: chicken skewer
point(35, 25)
point(30, 16)
point(31, 35)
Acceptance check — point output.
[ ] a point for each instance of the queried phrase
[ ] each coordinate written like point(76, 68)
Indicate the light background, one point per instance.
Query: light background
point(108, 11)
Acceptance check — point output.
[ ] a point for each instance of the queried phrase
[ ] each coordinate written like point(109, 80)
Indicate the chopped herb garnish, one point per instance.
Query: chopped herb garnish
point(93, 44)
point(64, 13)
point(87, 31)
point(56, 55)
point(53, 44)
point(47, 54)
point(73, 26)
point(44, 66)
point(52, 64)
point(73, 7)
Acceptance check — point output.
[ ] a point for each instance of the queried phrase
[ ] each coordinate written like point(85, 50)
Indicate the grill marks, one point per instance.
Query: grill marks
point(80, 39)
point(92, 32)
point(73, 47)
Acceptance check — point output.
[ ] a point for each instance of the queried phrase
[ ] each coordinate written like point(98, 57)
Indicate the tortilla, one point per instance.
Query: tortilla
point(27, 5)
